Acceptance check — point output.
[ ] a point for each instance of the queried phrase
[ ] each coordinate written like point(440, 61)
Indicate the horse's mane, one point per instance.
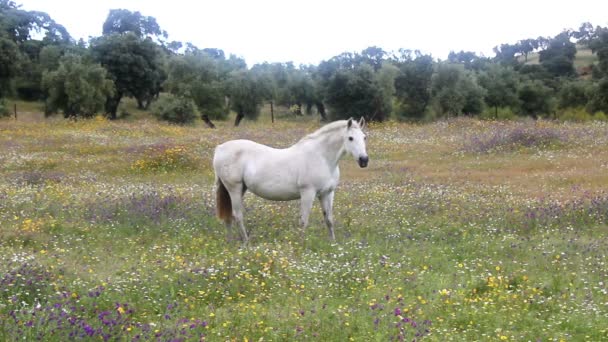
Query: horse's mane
point(329, 128)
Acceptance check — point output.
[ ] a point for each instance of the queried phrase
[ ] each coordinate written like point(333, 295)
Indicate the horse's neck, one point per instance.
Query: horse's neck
point(330, 147)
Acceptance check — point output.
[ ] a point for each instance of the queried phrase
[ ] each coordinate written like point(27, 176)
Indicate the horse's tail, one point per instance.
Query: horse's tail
point(223, 202)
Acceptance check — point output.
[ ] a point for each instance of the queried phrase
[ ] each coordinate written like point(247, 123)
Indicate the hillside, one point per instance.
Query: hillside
point(584, 58)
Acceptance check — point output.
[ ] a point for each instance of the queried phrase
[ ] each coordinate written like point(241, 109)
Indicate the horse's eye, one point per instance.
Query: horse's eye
point(350, 138)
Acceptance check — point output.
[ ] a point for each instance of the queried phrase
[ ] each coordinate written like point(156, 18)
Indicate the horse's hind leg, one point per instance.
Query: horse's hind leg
point(236, 196)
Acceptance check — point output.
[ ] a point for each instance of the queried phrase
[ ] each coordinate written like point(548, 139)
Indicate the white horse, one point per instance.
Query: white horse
point(303, 171)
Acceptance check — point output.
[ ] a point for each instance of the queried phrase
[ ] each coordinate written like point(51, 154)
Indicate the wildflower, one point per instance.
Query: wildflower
point(88, 330)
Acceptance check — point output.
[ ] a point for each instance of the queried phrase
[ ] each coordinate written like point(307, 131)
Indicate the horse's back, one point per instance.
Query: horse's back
point(231, 157)
point(238, 149)
point(267, 172)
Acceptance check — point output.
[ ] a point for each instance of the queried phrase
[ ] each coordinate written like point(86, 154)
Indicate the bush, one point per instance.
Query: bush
point(580, 114)
point(574, 114)
point(574, 94)
point(174, 109)
point(4, 111)
point(599, 96)
point(504, 139)
point(600, 116)
point(536, 99)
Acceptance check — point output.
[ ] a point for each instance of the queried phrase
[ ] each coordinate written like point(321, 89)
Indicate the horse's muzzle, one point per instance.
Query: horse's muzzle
point(363, 161)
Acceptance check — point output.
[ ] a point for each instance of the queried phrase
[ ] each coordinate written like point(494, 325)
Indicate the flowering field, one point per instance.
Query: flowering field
point(458, 230)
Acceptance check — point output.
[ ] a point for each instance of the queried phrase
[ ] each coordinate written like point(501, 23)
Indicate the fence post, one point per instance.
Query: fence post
point(15, 110)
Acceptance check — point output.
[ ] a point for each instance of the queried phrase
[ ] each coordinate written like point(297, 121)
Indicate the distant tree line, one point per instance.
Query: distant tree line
point(133, 58)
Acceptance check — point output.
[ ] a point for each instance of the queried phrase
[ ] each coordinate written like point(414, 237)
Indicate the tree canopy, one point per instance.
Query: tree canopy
point(133, 58)
point(134, 64)
point(79, 88)
point(122, 21)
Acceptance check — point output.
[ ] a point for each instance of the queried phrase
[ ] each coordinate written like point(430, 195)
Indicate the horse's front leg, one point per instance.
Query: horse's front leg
point(327, 203)
point(307, 197)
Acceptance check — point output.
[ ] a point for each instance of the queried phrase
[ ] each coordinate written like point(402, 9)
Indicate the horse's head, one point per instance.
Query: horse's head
point(354, 141)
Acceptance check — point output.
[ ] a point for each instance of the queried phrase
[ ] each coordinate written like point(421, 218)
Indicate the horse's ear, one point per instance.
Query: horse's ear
point(362, 122)
point(349, 123)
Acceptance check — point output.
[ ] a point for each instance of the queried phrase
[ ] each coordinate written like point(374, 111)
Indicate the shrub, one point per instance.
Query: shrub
point(174, 109)
point(580, 114)
point(599, 96)
point(536, 99)
point(600, 116)
point(574, 94)
point(123, 111)
point(4, 111)
point(512, 138)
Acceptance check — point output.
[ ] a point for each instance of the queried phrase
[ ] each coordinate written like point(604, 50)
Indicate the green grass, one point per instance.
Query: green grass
point(107, 231)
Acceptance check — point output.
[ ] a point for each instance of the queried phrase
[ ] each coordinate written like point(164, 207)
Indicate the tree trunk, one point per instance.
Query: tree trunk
point(321, 110)
point(112, 105)
point(206, 119)
point(239, 117)
point(425, 103)
point(140, 104)
point(272, 111)
point(308, 108)
point(47, 111)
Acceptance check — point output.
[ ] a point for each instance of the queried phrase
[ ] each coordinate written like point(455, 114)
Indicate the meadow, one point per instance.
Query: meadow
point(459, 230)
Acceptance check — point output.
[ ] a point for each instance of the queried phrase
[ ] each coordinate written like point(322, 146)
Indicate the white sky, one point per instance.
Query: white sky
point(309, 31)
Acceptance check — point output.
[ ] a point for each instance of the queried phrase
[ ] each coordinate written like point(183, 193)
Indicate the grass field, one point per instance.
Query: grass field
point(459, 230)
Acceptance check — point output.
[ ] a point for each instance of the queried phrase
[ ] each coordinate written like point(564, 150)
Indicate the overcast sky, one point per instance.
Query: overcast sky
point(309, 31)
